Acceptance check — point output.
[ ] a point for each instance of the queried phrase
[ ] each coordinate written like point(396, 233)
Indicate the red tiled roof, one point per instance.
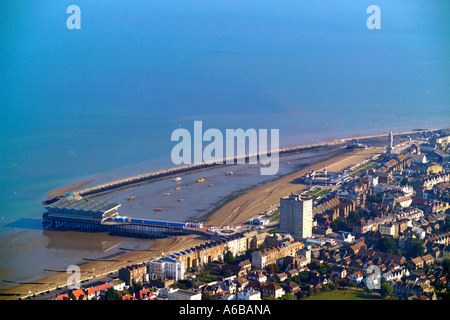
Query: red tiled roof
point(78, 293)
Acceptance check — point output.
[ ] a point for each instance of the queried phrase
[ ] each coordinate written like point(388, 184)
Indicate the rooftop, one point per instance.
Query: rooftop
point(82, 205)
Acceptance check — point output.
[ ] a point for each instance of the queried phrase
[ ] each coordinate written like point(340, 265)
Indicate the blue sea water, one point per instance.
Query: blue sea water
point(74, 103)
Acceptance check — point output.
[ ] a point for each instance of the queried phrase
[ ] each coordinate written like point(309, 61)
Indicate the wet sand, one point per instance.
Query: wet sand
point(96, 269)
point(60, 191)
point(251, 202)
point(200, 199)
point(258, 199)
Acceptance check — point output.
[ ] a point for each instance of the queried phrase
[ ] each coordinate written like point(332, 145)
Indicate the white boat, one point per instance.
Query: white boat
point(177, 179)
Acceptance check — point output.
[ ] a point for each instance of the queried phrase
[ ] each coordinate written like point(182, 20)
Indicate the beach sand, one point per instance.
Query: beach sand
point(236, 211)
point(261, 198)
point(60, 191)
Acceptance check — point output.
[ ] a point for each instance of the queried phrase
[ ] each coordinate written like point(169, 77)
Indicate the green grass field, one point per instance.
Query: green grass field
point(344, 295)
point(363, 168)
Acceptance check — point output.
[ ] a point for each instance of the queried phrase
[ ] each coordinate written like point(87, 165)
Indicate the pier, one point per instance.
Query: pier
point(129, 227)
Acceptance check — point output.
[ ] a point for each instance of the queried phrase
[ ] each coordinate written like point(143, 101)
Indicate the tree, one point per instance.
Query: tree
point(111, 294)
point(229, 258)
point(354, 216)
point(340, 225)
point(446, 265)
point(227, 273)
point(387, 244)
point(417, 249)
point(137, 287)
point(446, 226)
point(404, 182)
point(287, 296)
point(386, 290)
point(206, 296)
point(185, 284)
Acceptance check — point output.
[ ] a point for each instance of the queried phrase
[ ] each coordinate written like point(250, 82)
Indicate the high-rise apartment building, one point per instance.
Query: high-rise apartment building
point(296, 216)
point(390, 146)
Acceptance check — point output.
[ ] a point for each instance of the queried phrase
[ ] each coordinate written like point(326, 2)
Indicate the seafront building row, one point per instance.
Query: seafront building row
point(175, 265)
point(381, 212)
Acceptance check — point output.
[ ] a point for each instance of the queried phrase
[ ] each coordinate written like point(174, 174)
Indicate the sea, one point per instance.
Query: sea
point(105, 98)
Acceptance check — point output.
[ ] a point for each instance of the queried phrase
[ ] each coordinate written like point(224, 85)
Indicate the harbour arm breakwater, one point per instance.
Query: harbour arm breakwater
point(171, 244)
point(147, 177)
point(164, 173)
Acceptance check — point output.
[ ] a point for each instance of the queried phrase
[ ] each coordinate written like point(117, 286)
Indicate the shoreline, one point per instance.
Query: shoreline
point(60, 191)
point(172, 244)
point(247, 201)
point(198, 167)
point(254, 201)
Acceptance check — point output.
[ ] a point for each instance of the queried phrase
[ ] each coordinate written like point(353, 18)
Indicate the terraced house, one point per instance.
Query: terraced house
point(176, 264)
point(265, 257)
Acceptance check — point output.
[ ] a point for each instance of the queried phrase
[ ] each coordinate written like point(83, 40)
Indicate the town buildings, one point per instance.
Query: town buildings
point(264, 257)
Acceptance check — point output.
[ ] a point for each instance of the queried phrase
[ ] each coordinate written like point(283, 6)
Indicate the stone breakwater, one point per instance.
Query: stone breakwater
point(145, 177)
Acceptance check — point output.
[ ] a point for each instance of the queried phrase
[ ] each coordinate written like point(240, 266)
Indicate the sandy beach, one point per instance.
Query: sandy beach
point(260, 198)
point(60, 191)
point(251, 202)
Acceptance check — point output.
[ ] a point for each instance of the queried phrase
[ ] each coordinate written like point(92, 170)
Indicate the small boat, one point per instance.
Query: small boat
point(131, 198)
point(157, 209)
point(200, 180)
point(229, 173)
point(177, 179)
point(181, 200)
point(177, 188)
point(211, 185)
point(167, 194)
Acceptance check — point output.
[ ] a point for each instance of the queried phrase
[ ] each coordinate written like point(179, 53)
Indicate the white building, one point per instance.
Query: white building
point(418, 158)
point(357, 277)
point(372, 281)
point(166, 267)
point(179, 294)
point(249, 294)
point(406, 190)
point(387, 229)
point(374, 180)
point(296, 216)
point(394, 275)
point(259, 221)
point(420, 232)
point(412, 214)
point(346, 236)
point(118, 284)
